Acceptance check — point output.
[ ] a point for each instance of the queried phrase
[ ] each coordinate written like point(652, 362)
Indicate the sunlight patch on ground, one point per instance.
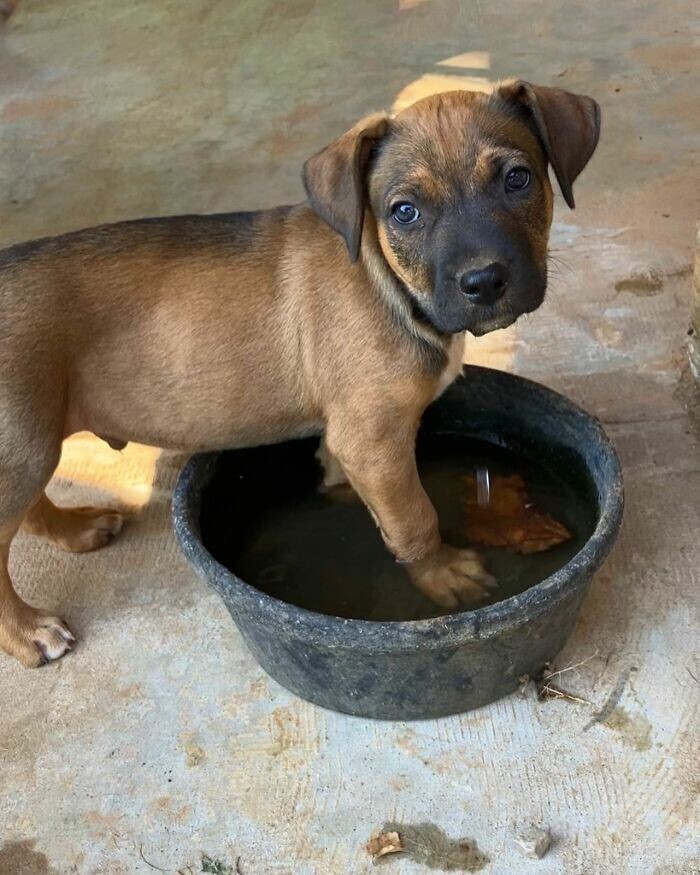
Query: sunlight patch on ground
point(127, 475)
point(434, 83)
point(468, 61)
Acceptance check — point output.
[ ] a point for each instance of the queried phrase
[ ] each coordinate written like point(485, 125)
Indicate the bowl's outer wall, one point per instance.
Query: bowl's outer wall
point(452, 664)
point(417, 684)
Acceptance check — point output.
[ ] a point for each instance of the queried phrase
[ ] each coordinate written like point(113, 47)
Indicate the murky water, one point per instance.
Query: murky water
point(263, 518)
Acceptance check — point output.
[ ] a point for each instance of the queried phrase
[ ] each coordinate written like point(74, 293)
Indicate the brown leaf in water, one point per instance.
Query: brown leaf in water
point(509, 519)
point(384, 843)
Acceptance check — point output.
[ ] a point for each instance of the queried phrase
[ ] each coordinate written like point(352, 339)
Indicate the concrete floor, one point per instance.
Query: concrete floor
point(159, 739)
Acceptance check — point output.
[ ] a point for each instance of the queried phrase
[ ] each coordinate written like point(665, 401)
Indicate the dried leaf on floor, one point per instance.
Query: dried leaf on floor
point(510, 519)
point(384, 843)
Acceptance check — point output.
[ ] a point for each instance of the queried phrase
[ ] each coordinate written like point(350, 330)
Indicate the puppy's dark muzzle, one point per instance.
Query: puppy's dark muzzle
point(485, 285)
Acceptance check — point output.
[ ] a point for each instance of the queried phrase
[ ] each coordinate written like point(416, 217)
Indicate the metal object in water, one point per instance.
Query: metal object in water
point(483, 485)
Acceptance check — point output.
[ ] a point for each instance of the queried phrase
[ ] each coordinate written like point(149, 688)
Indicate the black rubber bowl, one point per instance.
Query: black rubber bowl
point(446, 665)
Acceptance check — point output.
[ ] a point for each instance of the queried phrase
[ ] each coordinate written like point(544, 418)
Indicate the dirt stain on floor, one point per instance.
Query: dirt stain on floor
point(194, 754)
point(427, 844)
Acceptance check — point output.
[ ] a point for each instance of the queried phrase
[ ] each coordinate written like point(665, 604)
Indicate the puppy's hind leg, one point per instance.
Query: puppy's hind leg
point(32, 636)
point(335, 483)
point(75, 529)
point(30, 447)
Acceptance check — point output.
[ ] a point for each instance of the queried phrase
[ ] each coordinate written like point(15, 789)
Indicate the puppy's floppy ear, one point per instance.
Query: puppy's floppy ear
point(334, 179)
point(567, 124)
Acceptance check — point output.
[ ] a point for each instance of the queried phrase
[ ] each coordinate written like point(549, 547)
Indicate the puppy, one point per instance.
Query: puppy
point(343, 316)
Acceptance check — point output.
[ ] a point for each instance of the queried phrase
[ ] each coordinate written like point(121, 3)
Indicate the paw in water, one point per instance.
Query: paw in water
point(452, 578)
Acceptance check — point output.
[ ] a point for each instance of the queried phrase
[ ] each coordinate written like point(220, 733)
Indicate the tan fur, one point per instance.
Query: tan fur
point(201, 333)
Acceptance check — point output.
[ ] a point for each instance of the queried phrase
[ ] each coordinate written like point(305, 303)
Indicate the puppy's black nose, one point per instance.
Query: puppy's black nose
point(485, 285)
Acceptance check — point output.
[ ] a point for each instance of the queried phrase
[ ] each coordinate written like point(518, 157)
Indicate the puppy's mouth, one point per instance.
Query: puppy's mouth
point(448, 311)
point(497, 323)
point(505, 313)
point(525, 298)
point(492, 318)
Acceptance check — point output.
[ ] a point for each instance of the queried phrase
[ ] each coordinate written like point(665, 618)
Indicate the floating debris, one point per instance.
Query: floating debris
point(483, 485)
point(508, 518)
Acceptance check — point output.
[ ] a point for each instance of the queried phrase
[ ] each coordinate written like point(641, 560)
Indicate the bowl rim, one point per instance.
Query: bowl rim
point(392, 635)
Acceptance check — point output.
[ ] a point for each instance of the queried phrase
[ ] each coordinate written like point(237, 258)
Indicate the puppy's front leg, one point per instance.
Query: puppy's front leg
point(379, 460)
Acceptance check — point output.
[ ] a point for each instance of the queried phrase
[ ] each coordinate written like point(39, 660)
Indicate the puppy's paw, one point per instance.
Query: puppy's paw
point(452, 578)
point(35, 638)
point(82, 529)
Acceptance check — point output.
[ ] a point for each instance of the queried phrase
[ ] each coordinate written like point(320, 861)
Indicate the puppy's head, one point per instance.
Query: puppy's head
point(459, 190)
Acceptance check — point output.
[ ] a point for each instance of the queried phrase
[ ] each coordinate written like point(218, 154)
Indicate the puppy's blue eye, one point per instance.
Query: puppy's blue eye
point(517, 179)
point(405, 213)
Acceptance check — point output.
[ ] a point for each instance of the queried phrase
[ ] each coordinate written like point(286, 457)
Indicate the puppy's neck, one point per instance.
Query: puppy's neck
point(401, 305)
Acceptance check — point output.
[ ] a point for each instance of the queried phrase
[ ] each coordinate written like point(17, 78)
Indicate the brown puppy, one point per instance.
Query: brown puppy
point(204, 332)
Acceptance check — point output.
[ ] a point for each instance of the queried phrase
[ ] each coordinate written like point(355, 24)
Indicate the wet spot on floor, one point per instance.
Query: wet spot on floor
point(643, 284)
point(634, 729)
point(428, 845)
point(20, 856)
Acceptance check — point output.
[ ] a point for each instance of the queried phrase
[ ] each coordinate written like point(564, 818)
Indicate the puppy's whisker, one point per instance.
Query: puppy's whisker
point(556, 260)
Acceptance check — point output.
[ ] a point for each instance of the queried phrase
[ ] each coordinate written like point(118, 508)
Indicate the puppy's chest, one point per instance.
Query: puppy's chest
point(454, 365)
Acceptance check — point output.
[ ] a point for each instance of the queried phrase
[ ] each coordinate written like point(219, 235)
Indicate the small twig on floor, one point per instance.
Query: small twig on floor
point(554, 674)
point(549, 691)
point(692, 675)
point(148, 862)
